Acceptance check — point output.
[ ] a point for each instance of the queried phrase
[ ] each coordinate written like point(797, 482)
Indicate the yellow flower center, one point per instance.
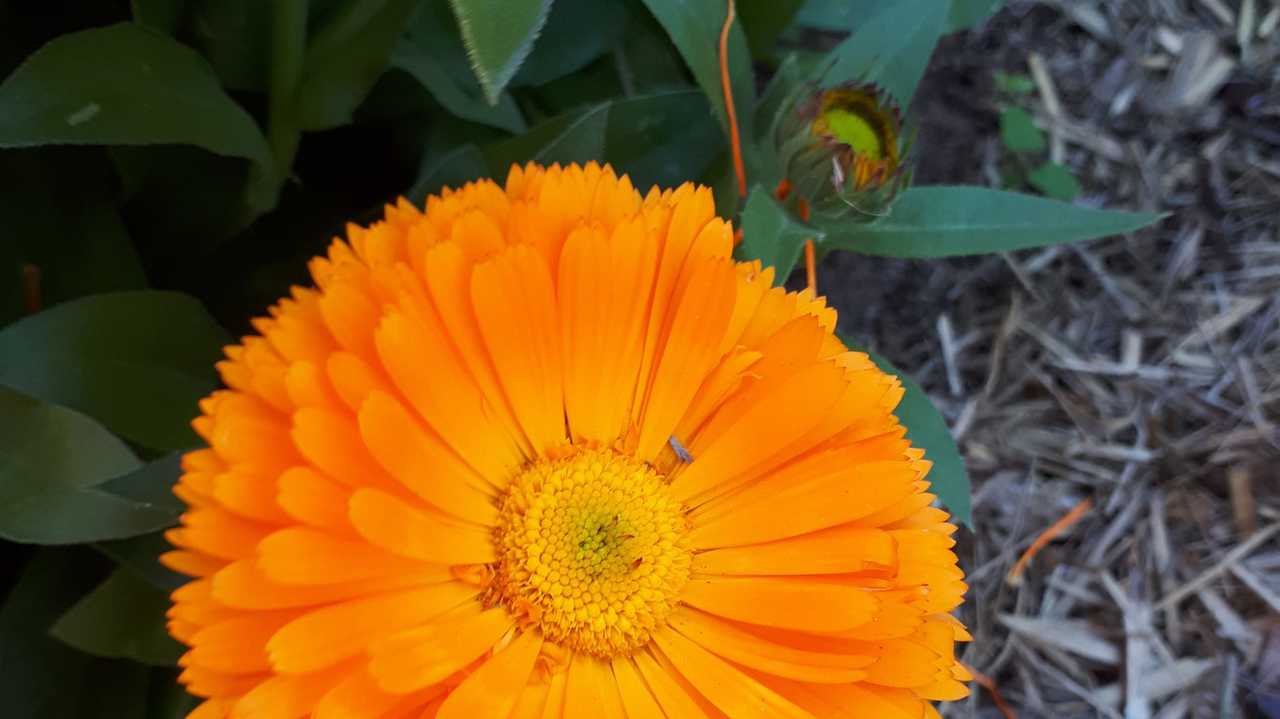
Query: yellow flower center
point(591, 551)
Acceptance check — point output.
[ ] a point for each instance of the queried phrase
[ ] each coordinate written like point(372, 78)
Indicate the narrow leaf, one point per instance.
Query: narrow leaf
point(135, 361)
point(445, 88)
point(499, 35)
point(126, 85)
point(891, 48)
point(928, 430)
point(123, 618)
point(770, 234)
point(694, 27)
point(946, 221)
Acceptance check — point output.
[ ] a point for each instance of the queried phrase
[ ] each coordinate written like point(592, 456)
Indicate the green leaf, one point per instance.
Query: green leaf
point(928, 430)
point(662, 139)
point(159, 15)
point(345, 59)
point(419, 63)
point(123, 618)
point(235, 36)
point(126, 85)
point(838, 15)
point(499, 35)
point(770, 234)
point(694, 26)
point(136, 361)
point(52, 461)
point(152, 484)
point(891, 48)
point(141, 555)
point(764, 22)
point(1056, 181)
point(577, 32)
point(967, 13)
point(61, 220)
point(1013, 83)
point(1018, 131)
point(946, 221)
point(45, 679)
point(452, 169)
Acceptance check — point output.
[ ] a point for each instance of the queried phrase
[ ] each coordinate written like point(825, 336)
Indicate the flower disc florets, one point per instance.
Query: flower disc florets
point(592, 551)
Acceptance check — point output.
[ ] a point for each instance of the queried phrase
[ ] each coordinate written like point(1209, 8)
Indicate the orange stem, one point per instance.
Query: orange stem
point(810, 255)
point(990, 685)
point(31, 294)
point(1057, 528)
point(735, 139)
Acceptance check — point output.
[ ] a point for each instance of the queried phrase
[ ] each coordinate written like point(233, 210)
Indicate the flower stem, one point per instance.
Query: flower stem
point(735, 139)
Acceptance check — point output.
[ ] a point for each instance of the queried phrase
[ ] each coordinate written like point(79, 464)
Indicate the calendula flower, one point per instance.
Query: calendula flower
point(546, 450)
point(843, 152)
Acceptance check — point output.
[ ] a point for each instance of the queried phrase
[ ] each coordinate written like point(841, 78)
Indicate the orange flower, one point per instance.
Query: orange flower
point(548, 451)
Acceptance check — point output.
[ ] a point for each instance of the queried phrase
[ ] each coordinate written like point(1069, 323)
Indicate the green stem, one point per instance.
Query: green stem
point(288, 48)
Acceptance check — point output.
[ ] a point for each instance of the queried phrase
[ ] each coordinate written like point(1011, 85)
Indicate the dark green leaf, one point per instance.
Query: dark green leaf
point(770, 234)
point(141, 555)
point(945, 221)
point(345, 60)
point(123, 618)
point(646, 61)
point(928, 430)
point(694, 26)
point(499, 35)
point(764, 22)
point(891, 48)
point(838, 15)
point(452, 169)
point(151, 484)
point(43, 678)
point(1056, 181)
point(160, 15)
point(661, 139)
point(434, 76)
point(577, 32)
point(51, 461)
point(1018, 131)
point(167, 698)
point(60, 219)
point(136, 361)
point(967, 13)
point(125, 85)
point(235, 35)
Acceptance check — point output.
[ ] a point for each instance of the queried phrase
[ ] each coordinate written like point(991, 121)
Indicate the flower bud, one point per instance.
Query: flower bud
point(842, 151)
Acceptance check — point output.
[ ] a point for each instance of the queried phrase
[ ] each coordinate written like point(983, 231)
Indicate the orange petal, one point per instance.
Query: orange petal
point(515, 307)
point(782, 602)
point(742, 647)
point(669, 690)
point(418, 532)
point(734, 693)
point(300, 555)
point(244, 585)
point(690, 351)
point(419, 460)
point(590, 691)
point(830, 551)
point(311, 498)
point(325, 636)
point(418, 357)
point(420, 657)
point(774, 421)
point(638, 701)
point(491, 690)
